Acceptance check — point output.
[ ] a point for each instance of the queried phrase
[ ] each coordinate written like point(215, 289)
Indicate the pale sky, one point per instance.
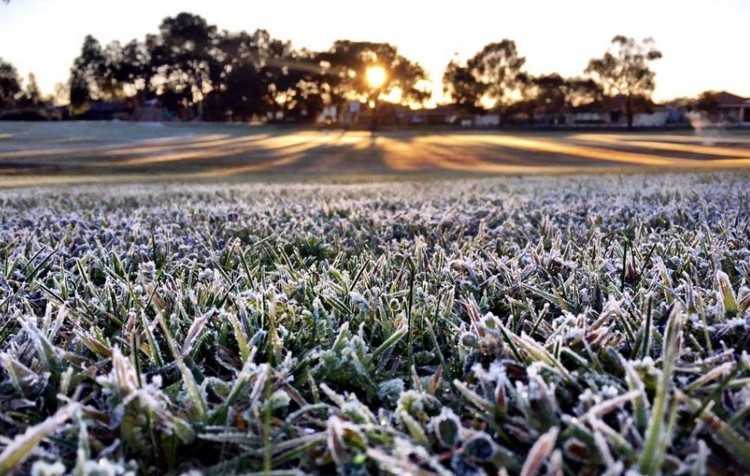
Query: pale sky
point(705, 42)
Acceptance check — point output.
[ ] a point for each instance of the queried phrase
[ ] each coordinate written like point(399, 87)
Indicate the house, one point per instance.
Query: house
point(733, 109)
point(328, 116)
point(105, 111)
point(586, 115)
point(438, 116)
point(656, 117)
point(490, 119)
point(151, 111)
point(353, 113)
point(612, 112)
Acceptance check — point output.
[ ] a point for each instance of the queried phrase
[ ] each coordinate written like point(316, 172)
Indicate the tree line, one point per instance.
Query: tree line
point(495, 77)
point(192, 67)
point(196, 70)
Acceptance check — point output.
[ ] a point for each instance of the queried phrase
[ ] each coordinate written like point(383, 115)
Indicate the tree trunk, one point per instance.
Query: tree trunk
point(629, 112)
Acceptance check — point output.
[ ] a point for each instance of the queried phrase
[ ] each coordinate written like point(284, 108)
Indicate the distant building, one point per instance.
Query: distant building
point(733, 109)
point(586, 115)
point(151, 111)
point(612, 112)
point(490, 119)
point(328, 116)
point(105, 111)
point(657, 117)
point(438, 116)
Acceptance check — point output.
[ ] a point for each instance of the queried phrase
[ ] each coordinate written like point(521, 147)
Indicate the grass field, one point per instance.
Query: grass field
point(534, 325)
point(71, 152)
point(189, 299)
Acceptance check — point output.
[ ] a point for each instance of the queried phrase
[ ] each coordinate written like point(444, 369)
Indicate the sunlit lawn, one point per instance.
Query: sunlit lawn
point(74, 152)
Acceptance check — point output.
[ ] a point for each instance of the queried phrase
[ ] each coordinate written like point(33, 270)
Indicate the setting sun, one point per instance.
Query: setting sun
point(376, 76)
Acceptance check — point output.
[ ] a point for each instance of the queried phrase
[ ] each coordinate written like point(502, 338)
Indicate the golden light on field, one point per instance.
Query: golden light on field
point(376, 76)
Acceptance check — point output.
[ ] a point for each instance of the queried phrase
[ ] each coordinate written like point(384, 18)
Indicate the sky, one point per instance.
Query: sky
point(705, 42)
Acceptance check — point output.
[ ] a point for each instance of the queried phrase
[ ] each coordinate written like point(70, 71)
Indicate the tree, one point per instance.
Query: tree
point(466, 91)
point(498, 66)
point(61, 94)
point(264, 76)
point(10, 85)
point(131, 67)
point(88, 75)
point(183, 68)
point(345, 65)
point(280, 74)
point(550, 93)
point(626, 71)
point(492, 77)
point(708, 102)
point(30, 96)
point(582, 92)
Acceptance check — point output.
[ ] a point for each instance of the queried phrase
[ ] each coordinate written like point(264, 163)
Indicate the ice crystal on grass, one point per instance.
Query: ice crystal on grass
point(575, 325)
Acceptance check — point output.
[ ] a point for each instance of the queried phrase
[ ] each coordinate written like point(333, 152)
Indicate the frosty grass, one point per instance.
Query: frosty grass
point(575, 325)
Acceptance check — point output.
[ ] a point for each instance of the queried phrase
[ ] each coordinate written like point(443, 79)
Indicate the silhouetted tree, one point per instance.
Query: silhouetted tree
point(61, 94)
point(581, 92)
point(30, 96)
point(181, 60)
point(10, 85)
point(540, 94)
point(195, 69)
point(550, 92)
point(345, 65)
point(708, 101)
point(130, 68)
point(88, 82)
point(626, 71)
point(264, 76)
point(238, 92)
point(497, 79)
point(279, 74)
point(463, 88)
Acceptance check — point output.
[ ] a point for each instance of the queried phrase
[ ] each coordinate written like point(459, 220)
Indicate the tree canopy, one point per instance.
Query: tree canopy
point(625, 70)
point(195, 69)
point(347, 62)
point(10, 84)
point(492, 77)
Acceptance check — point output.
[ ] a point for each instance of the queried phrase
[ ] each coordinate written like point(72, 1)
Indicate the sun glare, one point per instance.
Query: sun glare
point(376, 76)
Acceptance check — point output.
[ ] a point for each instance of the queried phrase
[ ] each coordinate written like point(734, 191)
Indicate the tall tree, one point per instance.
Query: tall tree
point(181, 60)
point(498, 66)
point(238, 92)
point(29, 97)
point(708, 101)
point(550, 93)
point(264, 76)
point(10, 85)
point(625, 70)
point(492, 77)
point(88, 81)
point(133, 70)
point(541, 94)
point(61, 94)
point(346, 64)
point(582, 92)
point(463, 88)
